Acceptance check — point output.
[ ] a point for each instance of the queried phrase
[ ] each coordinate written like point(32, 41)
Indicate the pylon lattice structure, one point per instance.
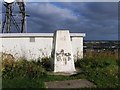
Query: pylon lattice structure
point(10, 23)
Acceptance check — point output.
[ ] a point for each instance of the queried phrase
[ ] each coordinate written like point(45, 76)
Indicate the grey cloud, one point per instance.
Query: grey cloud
point(97, 20)
point(50, 16)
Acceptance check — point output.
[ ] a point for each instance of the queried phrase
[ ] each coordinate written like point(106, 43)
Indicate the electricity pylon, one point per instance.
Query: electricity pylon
point(10, 21)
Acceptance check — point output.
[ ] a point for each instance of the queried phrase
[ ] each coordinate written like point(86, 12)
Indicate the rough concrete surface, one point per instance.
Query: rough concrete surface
point(81, 83)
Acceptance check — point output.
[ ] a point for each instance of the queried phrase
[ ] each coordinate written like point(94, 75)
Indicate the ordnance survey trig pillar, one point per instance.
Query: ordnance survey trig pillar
point(62, 52)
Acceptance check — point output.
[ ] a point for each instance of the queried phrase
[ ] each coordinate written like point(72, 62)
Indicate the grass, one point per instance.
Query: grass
point(26, 82)
point(27, 74)
point(100, 68)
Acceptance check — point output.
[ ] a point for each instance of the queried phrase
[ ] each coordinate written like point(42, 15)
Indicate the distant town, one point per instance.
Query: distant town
point(101, 45)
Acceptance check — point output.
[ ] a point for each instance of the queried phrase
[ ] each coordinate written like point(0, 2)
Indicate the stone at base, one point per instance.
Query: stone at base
point(65, 73)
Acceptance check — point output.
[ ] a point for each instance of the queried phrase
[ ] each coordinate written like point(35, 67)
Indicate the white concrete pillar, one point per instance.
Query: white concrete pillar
point(63, 55)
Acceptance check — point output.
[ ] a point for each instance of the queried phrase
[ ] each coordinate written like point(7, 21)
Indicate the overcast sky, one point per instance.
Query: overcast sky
point(99, 20)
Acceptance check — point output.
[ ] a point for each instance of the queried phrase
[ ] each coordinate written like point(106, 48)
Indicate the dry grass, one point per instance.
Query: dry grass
point(7, 59)
point(102, 54)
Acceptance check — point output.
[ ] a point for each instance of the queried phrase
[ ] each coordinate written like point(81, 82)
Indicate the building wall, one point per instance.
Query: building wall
point(77, 47)
point(34, 46)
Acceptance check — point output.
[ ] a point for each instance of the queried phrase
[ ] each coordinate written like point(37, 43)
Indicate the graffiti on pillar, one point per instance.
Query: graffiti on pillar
point(62, 56)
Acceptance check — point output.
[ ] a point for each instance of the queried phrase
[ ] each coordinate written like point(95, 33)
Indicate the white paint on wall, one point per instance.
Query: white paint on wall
point(77, 45)
point(35, 45)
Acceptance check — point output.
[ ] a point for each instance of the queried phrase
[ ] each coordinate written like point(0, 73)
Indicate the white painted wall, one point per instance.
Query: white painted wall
point(19, 45)
point(77, 47)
